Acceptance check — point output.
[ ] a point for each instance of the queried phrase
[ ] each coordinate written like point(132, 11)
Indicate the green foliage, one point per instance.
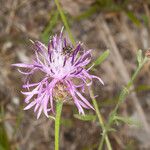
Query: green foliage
point(139, 57)
point(64, 20)
point(85, 117)
point(131, 145)
point(133, 18)
point(113, 117)
point(125, 91)
point(101, 58)
point(142, 88)
point(104, 5)
point(145, 19)
point(51, 24)
point(59, 106)
point(52, 117)
point(123, 95)
point(117, 119)
point(67, 122)
point(87, 13)
point(19, 119)
point(4, 142)
point(113, 101)
point(89, 147)
point(111, 6)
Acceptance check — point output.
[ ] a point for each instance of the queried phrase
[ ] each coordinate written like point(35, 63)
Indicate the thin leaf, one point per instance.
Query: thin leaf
point(123, 94)
point(139, 57)
point(133, 18)
point(64, 20)
point(101, 58)
point(89, 12)
point(85, 117)
point(52, 117)
point(48, 29)
point(141, 88)
point(66, 122)
point(126, 120)
point(4, 142)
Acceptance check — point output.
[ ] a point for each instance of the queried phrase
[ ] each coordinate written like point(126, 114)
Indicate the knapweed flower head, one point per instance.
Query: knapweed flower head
point(65, 73)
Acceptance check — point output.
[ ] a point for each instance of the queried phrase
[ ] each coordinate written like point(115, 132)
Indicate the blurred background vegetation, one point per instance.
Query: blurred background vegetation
point(123, 26)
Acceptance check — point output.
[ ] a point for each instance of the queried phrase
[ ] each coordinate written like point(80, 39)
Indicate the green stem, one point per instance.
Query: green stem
point(63, 17)
point(136, 72)
point(122, 96)
point(57, 123)
point(100, 120)
point(101, 143)
point(125, 90)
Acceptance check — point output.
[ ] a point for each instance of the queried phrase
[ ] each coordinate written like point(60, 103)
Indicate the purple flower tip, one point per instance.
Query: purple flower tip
point(62, 65)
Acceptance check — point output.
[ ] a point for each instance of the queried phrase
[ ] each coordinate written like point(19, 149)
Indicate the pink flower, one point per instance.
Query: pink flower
point(62, 65)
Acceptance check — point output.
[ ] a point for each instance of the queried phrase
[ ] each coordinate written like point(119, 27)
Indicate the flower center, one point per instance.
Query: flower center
point(60, 92)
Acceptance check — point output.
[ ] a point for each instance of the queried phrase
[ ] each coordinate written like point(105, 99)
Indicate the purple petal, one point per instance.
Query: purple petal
point(40, 46)
point(75, 53)
point(45, 105)
point(30, 105)
point(29, 85)
point(39, 112)
point(84, 100)
point(65, 42)
point(22, 65)
point(98, 78)
point(80, 109)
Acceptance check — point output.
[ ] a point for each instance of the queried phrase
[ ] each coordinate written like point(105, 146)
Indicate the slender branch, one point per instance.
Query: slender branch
point(125, 90)
point(57, 123)
point(122, 96)
point(63, 17)
point(101, 143)
point(100, 120)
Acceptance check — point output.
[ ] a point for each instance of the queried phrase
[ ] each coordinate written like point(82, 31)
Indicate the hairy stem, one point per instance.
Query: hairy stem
point(57, 123)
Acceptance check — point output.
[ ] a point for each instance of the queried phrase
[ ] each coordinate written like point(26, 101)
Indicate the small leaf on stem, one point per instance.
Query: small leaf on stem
point(85, 117)
point(101, 58)
point(139, 57)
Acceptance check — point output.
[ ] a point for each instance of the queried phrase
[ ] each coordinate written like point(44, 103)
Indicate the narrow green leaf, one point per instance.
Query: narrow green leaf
point(145, 19)
point(65, 22)
point(142, 88)
point(85, 117)
point(139, 57)
point(3, 138)
point(101, 58)
point(89, 12)
point(4, 142)
point(66, 122)
point(111, 130)
point(48, 29)
point(123, 94)
point(133, 18)
point(126, 120)
point(52, 117)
